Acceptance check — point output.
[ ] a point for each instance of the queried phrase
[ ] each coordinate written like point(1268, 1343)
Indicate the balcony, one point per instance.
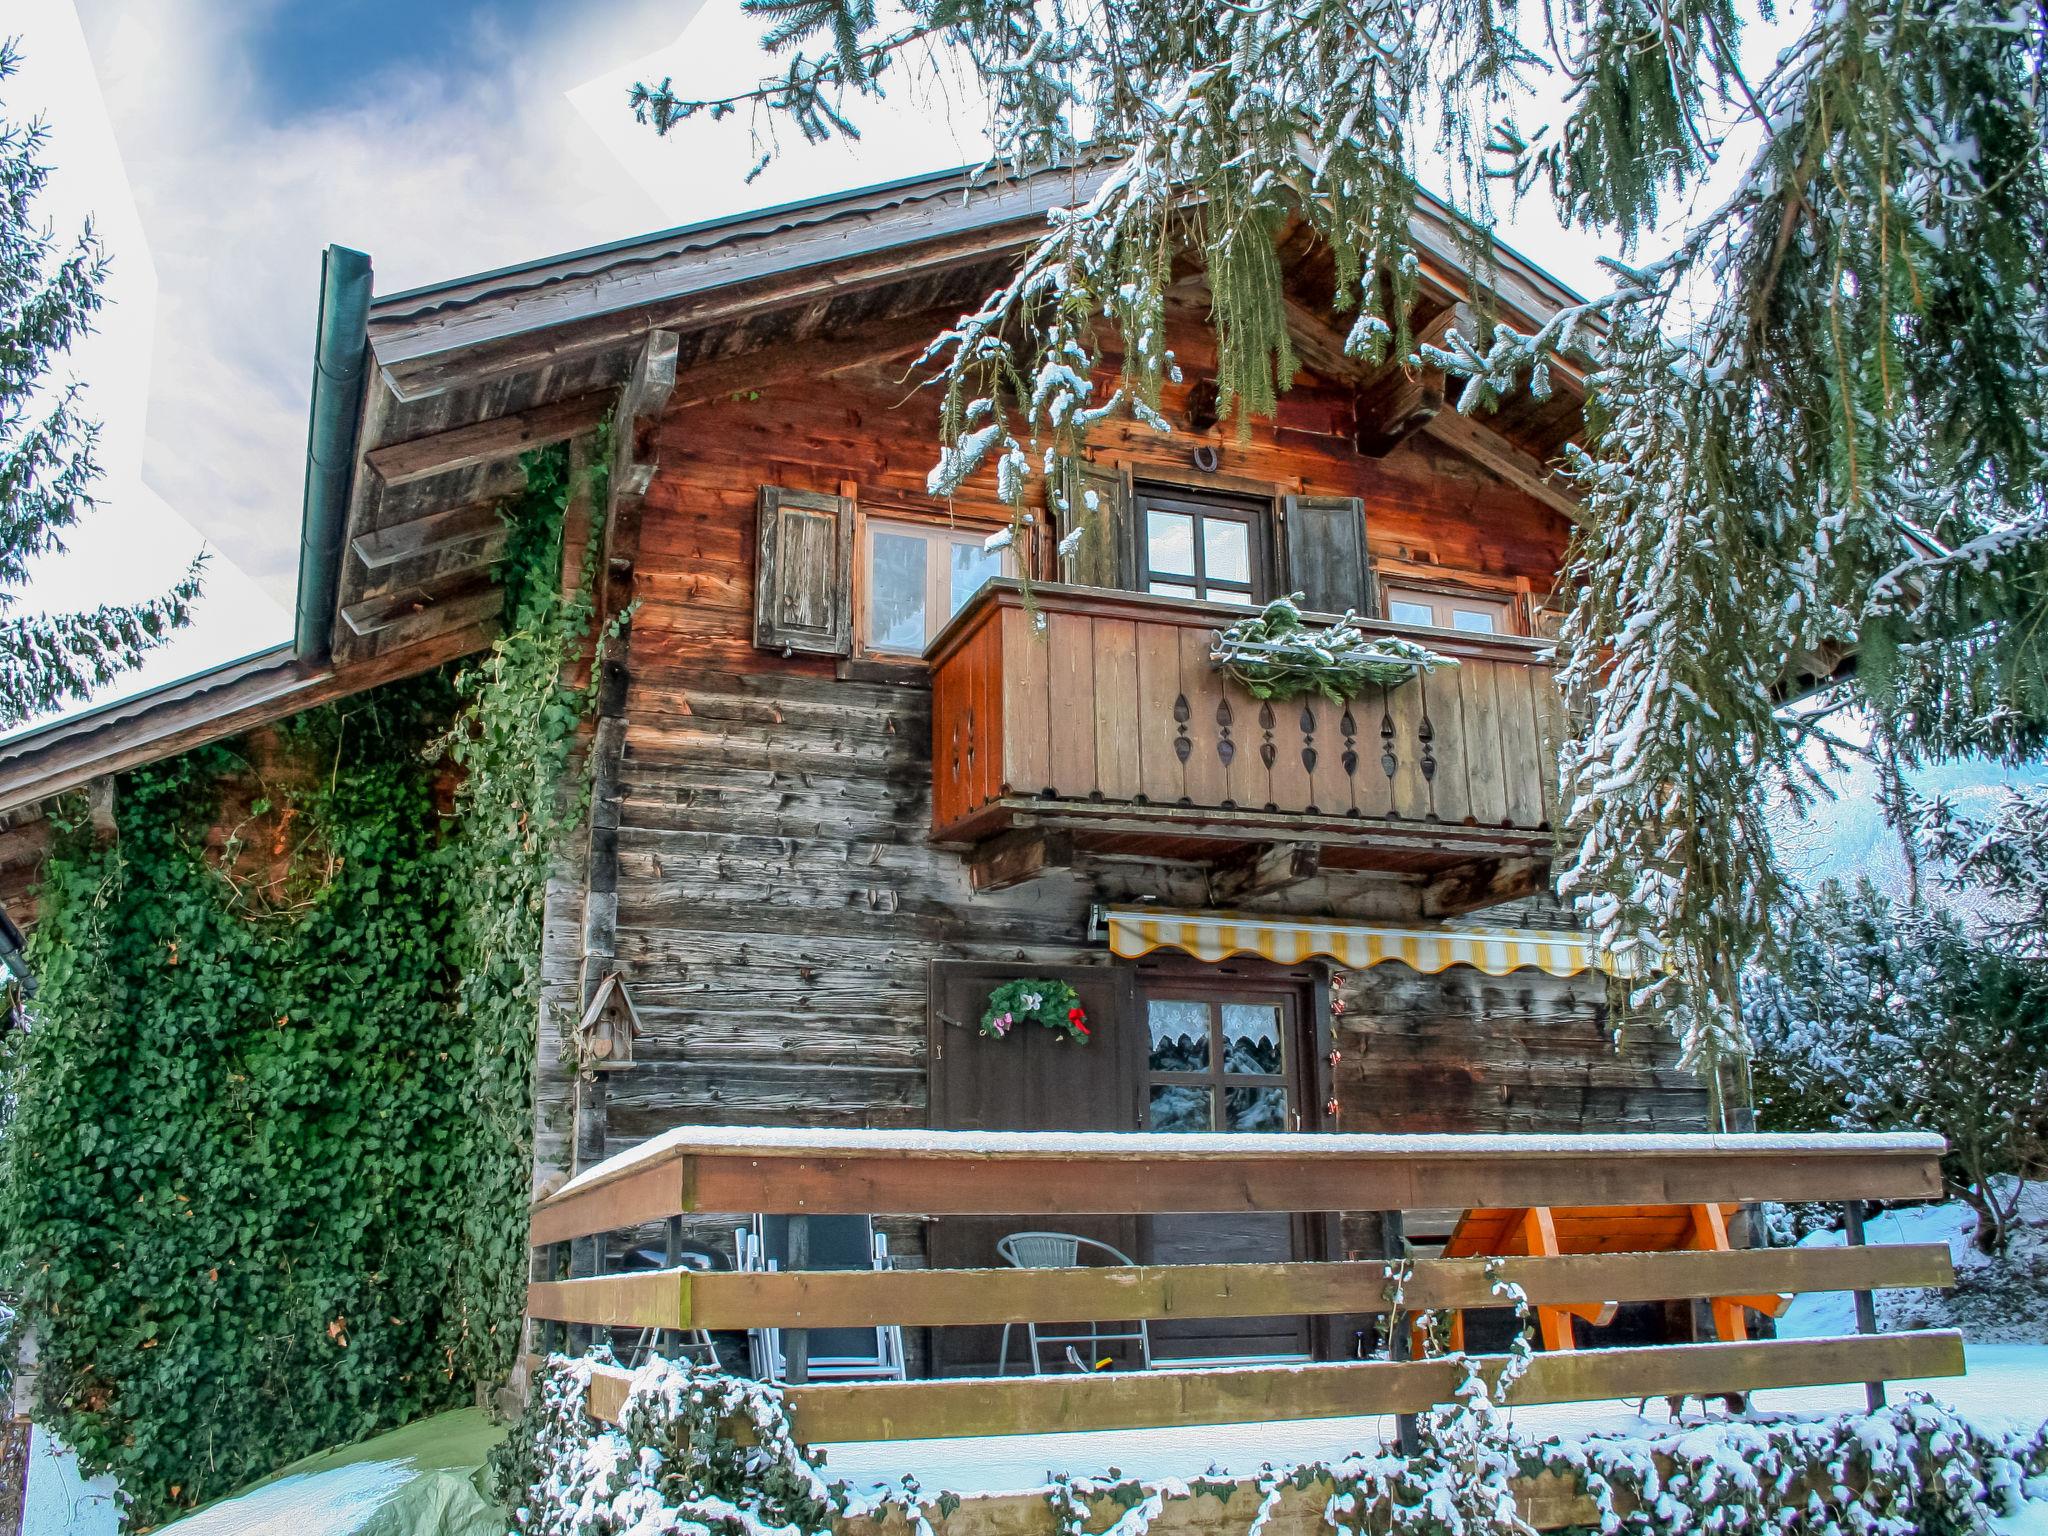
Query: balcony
point(1109, 731)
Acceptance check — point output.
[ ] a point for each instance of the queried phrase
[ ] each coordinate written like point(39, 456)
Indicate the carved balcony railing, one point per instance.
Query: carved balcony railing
point(1110, 725)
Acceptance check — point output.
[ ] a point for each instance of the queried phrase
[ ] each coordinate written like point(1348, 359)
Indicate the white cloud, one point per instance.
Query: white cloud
point(132, 545)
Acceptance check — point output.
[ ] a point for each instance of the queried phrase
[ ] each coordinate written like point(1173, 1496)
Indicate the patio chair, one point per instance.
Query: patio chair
point(1063, 1250)
point(836, 1354)
point(690, 1343)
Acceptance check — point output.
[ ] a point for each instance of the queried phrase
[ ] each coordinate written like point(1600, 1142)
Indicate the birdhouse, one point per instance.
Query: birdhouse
point(604, 1037)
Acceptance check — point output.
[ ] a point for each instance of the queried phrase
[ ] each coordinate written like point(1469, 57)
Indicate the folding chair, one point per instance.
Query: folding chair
point(1062, 1250)
point(691, 1343)
point(836, 1354)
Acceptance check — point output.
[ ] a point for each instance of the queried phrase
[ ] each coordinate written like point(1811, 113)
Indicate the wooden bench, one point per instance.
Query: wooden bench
point(1546, 1231)
point(738, 1172)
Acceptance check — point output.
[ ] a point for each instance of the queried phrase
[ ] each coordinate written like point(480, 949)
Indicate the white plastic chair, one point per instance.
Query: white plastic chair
point(1063, 1250)
point(836, 1354)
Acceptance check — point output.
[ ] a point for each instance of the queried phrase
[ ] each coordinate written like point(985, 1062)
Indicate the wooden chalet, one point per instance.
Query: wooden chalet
point(854, 769)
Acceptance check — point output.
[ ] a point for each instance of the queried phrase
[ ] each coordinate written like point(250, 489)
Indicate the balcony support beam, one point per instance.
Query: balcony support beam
point(1483, 883)
point(1014, 857)
point(1262, 870)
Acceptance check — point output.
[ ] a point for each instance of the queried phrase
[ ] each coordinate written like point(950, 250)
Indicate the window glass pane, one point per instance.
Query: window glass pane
point(1180, 1035)
point(896, 591)
point(1251, 1038)
point(1171, 589)
point(972, 566)
point(1253, 1109)
point(1472, 621)
point(1170, 542)
point(1178, 1107)
point(1402, 611)
point(1226, 550)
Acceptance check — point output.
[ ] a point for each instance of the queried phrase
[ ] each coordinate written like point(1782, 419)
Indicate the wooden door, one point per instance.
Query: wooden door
point(1226, 1055)
point(1033, 1079)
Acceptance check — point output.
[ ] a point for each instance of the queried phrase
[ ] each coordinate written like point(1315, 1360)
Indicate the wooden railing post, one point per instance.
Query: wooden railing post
point(1394, 1249)
point(554, 1336)
point(796, 1342)
point(1866, 1304)
point(668, 1340)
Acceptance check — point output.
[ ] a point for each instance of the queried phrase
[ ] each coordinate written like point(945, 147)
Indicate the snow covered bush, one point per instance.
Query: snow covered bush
point(1276, 655)
point(671, 1467)
point(1881, 1018)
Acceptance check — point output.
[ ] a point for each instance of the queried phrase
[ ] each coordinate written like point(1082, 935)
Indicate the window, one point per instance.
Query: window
point(915, 576)
point(1192, 546)
point(1471, 612)
point(1217, 1064)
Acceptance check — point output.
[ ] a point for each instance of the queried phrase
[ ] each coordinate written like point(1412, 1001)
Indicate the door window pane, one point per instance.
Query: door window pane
point(1251, 1038)
point(1180, 1035)
point(1178, 1107)
point(1227, 550)
point(896, 616)
point(1170, 542)
point(1254, 1109)
point(1404, 612)
point(973, 567)
point(1472, 621)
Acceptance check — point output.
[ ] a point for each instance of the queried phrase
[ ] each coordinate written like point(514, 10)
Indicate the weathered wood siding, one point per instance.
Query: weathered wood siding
point(778, 899)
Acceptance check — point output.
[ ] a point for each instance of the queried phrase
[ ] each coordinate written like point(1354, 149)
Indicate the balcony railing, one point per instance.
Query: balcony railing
point(1623, 1185)
point(1102, 711)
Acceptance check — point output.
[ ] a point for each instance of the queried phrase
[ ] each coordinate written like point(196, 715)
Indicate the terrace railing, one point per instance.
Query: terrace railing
point(1038, 1178)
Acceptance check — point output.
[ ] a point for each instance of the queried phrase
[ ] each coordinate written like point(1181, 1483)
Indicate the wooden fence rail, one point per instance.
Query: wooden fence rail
point(802, 1173)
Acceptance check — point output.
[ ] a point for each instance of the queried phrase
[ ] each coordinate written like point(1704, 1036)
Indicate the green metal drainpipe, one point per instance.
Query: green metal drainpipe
point(341, 364)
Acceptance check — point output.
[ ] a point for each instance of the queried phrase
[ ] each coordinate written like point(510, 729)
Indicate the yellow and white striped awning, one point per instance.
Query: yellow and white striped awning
point(1135, 931)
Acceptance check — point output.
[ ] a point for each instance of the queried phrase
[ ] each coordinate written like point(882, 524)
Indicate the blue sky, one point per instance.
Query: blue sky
point(311, 57)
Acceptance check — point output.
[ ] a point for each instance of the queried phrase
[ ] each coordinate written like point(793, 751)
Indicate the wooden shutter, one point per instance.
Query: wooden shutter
point(803, 579)
point(1323, 554)
point(1031, 1080)
point(1098, 501)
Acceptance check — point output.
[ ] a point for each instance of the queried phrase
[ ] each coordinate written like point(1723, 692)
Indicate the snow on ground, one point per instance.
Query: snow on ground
point(2006, 1388)
point(2001, 1300)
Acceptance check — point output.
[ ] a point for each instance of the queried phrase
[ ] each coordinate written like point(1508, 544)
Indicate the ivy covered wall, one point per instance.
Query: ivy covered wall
point(263, 1179)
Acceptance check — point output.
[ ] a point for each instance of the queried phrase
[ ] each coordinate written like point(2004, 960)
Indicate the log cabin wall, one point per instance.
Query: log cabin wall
point(778, 897)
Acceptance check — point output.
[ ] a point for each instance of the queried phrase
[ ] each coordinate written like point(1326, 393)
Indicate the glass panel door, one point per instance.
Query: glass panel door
point(1222, 1061)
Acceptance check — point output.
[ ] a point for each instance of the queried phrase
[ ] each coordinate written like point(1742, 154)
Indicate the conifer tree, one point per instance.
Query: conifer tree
point(1819, 422)
point(49, 293)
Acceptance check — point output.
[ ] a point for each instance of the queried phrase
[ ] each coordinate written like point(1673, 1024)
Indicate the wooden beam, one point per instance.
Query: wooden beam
point(1501, 458)
point(1484, 883)
point(1403, 400)
point(1124, 1173)
point(481, 523)
point(397, 624)
point(1388, 413)
point(934, 1298)
point(1266, 868)
point(970, 1408)
point(221, 704)
point(501, 437)
point(1017, 856)
point(813, 358)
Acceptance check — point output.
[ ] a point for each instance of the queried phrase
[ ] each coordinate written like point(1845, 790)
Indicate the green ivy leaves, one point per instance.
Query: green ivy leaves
point(263, 1187)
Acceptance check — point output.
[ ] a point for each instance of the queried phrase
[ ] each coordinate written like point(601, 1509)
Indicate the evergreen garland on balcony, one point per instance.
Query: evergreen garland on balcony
point(1276, 655)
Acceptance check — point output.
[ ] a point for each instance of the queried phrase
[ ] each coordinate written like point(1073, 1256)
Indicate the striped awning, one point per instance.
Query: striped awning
point(1135, 931)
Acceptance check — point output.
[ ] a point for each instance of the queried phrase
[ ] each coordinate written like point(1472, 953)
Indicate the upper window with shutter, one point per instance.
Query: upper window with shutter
point(803, 579)
point(915, 574)
point(1210, 547)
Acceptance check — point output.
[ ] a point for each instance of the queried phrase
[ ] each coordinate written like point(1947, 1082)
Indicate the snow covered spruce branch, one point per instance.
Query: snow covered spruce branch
point(1818, 422)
